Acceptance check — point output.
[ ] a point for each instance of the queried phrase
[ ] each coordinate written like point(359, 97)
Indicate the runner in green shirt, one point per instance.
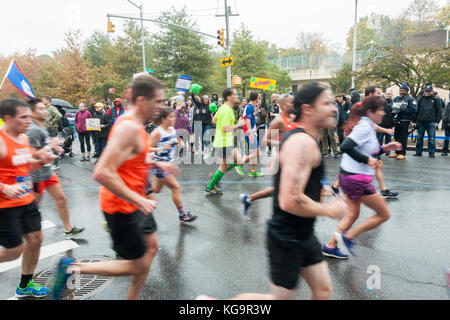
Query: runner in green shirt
point(227, 155)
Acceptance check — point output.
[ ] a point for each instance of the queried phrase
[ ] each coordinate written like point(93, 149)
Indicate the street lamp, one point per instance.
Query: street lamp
point(141, 9)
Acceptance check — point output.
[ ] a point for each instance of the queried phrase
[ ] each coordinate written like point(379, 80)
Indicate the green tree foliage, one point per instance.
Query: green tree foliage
point(412, 66)
point(181, 51)
point(251, 60)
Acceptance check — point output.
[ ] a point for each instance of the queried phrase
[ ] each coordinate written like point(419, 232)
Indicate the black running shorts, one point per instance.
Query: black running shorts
point(287, 260)
point(16, 222)
point(127, 233)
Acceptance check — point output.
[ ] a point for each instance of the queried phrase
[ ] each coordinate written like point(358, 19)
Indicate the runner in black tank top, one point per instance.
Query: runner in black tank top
point(293, 249)
point(289, 229)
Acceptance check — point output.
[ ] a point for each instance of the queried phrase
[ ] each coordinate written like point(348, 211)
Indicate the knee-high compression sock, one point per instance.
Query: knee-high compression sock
point(216, 178)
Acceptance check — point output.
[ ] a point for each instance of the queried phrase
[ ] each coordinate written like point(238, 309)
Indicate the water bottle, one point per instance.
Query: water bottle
point(26, 184)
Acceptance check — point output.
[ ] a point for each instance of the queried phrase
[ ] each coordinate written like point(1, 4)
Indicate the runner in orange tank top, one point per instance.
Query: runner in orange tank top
point(277, 128)
point(19, 214)
point(122, 172)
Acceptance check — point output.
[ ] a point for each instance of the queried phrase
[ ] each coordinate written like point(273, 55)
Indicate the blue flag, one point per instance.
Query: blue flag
point(15, 75)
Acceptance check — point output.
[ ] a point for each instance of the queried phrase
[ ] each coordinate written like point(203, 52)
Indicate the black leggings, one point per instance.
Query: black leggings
point(84, 136)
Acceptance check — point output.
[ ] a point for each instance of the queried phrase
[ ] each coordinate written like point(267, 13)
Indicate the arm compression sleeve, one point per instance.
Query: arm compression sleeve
point(348, 147)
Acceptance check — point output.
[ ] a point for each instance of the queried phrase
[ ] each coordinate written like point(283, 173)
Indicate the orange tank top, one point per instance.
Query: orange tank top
point(14, 168)
point(133, 173)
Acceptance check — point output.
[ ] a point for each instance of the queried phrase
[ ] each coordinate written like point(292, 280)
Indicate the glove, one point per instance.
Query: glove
point(196, 88)
point(213, 107)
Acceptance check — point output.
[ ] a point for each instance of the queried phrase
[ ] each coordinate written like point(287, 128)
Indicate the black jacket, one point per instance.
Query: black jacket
point(428, 109)
point(105, 120)
point(404, 108)
point(388, 119)
point(341, 115)
point(201, 112)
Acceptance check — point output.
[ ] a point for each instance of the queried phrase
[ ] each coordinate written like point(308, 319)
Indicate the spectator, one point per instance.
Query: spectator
point(244, 102)
point(342, 117)
point(274, 107)
point(428, 116)
point(387, 122)
point(446, 127)
point(202, 115)
point(52, 123)
point(53, 117)
point(182, 124)
point(117, 110)
point(105, 125)
point(83, 134)
point(404, 108)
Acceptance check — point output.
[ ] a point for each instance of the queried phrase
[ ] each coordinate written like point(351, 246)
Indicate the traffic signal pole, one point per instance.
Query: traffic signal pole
point(141, 9)
point(227, 16)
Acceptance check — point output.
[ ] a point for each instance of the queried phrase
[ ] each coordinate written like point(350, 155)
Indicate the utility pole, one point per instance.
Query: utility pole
point(227, 16)
point(141, 9)
point(354, 43)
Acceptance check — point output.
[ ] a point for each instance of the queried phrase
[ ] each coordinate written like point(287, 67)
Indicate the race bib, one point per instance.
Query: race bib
point(23, 156)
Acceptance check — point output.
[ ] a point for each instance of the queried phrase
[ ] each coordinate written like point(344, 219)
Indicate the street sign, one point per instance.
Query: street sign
point(226, 62)
point(263, 83)
point(183, 83)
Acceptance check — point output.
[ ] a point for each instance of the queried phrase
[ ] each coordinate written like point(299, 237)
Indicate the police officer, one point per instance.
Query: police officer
point(404, 109)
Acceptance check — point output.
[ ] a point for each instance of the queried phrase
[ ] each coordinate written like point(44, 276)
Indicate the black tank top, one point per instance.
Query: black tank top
point(285, 226)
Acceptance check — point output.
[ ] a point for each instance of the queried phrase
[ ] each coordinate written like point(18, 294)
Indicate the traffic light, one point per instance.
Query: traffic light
point(111, 27)
point(221, 37)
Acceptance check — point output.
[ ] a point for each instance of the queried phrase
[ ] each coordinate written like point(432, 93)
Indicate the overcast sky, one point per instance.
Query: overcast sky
point(42, 24)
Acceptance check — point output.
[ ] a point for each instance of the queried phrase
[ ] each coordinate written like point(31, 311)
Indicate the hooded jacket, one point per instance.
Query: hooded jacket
point(446, 117)
point(115, 112)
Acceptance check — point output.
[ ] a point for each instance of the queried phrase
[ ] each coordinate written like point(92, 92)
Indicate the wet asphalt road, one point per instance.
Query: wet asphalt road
point(223, 253)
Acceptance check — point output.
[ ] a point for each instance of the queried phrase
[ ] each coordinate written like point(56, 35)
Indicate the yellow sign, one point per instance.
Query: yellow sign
point(263, 83)
point(226, 62)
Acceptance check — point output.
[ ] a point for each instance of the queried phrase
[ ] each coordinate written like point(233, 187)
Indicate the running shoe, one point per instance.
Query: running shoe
point(60, 276)
point(83, 159)
point(239, 170)
point(401, 157)
point(56, 167)
point(255, 174)
point(187, 217)
point(73, 233)
point(346, 243)
point(245, 202)
point(333, 252)
point(32, 290)
point(213, 191)
point(394, 155)
point(387, 194)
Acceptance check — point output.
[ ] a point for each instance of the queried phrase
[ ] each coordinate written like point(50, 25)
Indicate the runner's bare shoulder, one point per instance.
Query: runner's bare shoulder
point(125, 135)
point(301, 147)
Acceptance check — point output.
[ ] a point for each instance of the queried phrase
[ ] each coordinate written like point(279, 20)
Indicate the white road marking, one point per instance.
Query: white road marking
point(46, 224)
point(47, 251)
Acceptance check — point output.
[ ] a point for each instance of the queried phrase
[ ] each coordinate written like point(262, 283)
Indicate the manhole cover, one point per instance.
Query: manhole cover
point(84, 287)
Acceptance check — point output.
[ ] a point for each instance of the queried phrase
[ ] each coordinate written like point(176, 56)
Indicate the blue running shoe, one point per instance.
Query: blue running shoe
point(346, 243)
point(333, 252)
point(60, 276)
point(245, 202)
point(32, 290)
